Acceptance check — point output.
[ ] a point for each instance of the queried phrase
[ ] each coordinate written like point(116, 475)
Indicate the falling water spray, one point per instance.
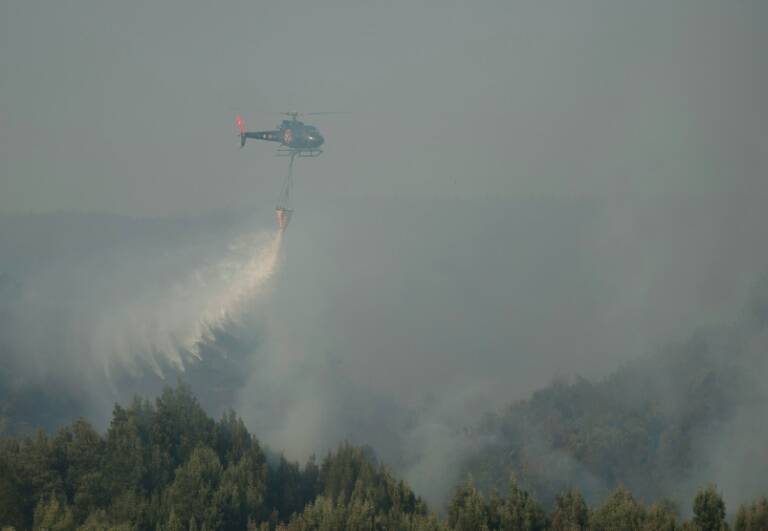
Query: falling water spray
point(165, 326)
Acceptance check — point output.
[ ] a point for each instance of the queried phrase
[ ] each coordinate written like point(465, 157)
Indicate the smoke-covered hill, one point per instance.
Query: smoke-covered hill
point(661, 426)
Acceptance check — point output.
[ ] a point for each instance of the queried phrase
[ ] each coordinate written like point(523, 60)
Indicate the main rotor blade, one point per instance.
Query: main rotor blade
point(296, 113)
point(327, 112)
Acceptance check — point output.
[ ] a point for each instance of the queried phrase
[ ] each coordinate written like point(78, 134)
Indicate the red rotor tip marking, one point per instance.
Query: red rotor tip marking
point(240, 124)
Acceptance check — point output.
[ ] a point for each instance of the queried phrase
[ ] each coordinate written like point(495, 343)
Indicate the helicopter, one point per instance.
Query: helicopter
point(295, 137)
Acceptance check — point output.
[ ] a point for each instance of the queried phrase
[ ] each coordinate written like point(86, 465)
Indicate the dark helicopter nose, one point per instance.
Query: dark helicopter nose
point(316, 139)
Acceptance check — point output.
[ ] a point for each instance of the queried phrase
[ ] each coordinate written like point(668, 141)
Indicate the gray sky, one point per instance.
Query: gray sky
point(617, 150)
point(128, 106)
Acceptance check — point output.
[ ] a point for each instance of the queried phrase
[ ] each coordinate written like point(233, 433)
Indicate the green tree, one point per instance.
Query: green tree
point(661, 516)
point(519, 511)
point(80, 450)
point(752, 517)
point(570, 513)
point(467, 510)
point(618, 511)
point(241, 492)
point(191, 495)
point(38, 469)
point(174, 523)
point(98, 520)
point(134, 509)
point(179, 424)
point(709, 510)
point(53, 514)
point(11, 497)
point(283, 493)
point(125, 461)
point(233, 441)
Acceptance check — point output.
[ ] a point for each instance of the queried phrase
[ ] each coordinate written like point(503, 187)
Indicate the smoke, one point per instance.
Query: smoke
point(399, 324)
point(732, 452)
point(398, 330)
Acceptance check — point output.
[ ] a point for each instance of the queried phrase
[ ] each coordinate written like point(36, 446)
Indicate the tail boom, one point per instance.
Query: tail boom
point(270, 136)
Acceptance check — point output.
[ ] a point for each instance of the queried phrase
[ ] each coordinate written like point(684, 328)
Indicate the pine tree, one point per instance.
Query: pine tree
point(191, 495)
point(53, 515)
point(521, 512)
point(618, 511)
point(571, 513)
point(661, 516)
point(752, 517)
point(174, 523)
point(467, 510)
point(11, 498)
point(709, 510)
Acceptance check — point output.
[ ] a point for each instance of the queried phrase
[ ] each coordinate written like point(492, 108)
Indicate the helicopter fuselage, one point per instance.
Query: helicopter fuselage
point(291, 134)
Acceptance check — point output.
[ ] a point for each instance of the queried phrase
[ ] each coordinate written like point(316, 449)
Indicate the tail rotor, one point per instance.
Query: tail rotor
point(241, 127)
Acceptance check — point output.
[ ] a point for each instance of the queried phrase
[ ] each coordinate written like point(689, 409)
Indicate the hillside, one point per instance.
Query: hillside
point(659, 426)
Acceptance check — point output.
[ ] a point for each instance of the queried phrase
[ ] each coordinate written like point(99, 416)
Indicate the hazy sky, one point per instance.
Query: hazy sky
point(597, 168)
point(128, 106)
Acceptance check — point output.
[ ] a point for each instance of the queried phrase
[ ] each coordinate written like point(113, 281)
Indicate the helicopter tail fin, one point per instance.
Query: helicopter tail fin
point(241, 127)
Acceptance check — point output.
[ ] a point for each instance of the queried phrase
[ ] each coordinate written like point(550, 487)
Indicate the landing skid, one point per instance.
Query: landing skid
point(287, 152)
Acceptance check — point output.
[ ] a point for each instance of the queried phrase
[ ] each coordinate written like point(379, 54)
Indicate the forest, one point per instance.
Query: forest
point(166, 465)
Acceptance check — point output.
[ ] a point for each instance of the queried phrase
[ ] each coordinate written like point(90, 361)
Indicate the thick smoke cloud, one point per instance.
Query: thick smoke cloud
point(479, 311)
point(400, 330)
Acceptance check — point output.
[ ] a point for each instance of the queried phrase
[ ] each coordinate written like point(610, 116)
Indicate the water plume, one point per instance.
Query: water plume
point(167, 326)
point(232, 284)
point(146, 303)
